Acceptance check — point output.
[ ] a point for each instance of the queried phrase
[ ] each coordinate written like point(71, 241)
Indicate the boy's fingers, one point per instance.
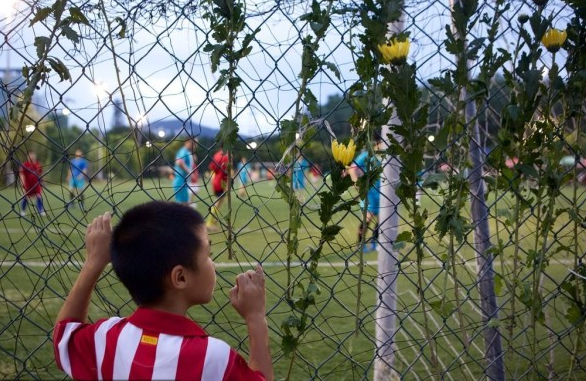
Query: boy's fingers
point(233, 294)
point(260, 272)
point(108, 221)
point(242, 280)
point(97, 222)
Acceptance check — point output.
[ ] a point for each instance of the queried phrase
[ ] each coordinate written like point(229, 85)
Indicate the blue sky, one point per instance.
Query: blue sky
point(164, 72)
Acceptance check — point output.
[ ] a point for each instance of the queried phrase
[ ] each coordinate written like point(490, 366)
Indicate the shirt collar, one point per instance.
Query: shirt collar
point(165, 322)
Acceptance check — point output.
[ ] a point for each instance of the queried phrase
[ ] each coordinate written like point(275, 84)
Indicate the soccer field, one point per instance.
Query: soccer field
point(41, 256)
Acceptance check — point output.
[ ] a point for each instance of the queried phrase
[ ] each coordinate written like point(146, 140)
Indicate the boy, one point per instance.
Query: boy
point(161, 253)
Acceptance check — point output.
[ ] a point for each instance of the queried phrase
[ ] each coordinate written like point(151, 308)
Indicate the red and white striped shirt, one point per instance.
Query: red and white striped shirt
point(149, 345)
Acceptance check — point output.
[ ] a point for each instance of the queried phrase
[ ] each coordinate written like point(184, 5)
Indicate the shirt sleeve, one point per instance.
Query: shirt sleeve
point(73, 343)
point(240, 371)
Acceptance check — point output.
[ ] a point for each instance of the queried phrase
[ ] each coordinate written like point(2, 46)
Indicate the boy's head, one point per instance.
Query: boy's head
point(158, 245)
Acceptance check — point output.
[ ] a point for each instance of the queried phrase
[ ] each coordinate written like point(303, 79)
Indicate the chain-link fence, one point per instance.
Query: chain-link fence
point(472, 266)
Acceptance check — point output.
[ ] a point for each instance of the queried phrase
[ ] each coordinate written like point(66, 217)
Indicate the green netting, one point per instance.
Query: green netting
point(138, 77)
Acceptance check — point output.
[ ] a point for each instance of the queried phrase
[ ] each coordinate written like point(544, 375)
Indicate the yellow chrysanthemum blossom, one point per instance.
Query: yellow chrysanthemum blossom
point(395, 52)
point(342, 153)
point(554, 39)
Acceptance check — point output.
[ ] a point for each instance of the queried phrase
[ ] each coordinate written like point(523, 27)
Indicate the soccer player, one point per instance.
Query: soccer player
point(194, 185)
point(30, 177)
point(219, 168)
point(243, 170)
point(182, 171)
point(158, 341)
point(78, 168)
point(299, 168)
point(362, 164)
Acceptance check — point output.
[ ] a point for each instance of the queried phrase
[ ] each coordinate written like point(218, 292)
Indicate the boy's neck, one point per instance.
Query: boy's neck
point(170, 306)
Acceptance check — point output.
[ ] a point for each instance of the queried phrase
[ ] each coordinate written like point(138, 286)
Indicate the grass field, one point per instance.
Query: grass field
point(41, 256)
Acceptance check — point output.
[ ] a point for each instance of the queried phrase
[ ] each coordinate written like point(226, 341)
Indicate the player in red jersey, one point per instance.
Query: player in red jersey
point(219, 168)
point(30, 177)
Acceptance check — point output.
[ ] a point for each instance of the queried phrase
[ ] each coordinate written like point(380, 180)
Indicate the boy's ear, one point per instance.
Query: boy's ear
point(178, 277)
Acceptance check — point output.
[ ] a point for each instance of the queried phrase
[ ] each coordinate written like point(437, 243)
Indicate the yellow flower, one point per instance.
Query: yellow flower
point(395, 52)
point(343, 154)
point(554, 39)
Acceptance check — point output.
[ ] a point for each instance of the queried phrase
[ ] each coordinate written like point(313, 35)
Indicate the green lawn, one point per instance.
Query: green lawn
point(41, 255)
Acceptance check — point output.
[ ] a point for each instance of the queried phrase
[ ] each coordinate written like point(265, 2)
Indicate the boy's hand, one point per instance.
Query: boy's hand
point(248, 295)
point(97, 241)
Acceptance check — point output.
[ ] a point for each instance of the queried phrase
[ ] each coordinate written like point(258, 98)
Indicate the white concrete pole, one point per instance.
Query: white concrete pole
point(386, 302)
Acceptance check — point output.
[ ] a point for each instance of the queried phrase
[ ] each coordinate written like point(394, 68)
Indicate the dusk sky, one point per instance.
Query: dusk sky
point(164, 70)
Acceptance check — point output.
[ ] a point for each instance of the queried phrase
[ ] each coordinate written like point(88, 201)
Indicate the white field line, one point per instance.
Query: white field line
point(420, 330)
point(445, 337)
point(415, 354)
point(450, 277)
point(454, 316)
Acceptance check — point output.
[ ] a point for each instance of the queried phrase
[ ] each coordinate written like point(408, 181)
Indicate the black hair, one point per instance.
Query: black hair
point(378, 136)
point(149, 241)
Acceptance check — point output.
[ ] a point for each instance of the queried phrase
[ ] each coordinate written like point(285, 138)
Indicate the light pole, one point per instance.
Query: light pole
point(100, 91)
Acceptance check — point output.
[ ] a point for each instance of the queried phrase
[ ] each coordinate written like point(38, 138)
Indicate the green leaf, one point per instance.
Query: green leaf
point(442, 308)
point(289, 344)
point(574, 216)
point(59, 68)
point(41, 43)
point(528, 170)
point(41, 15)
point(433, 181)
point(288, 130)
point(333, 68)
point(71, 34)
point(405, 236)
point(329, 232)
point(498, 284)
point(122, 23)
point(313, 289)
point(574, 314)
point(228, 134)
point(77, 16)
point(289, 322)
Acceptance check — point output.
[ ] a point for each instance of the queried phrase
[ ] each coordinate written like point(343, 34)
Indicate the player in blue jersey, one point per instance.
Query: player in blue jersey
point(78, 168)
point(243, 170)
point(182, 171)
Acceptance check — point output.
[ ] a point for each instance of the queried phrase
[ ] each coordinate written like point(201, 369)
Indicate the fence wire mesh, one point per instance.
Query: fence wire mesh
point(139, 79)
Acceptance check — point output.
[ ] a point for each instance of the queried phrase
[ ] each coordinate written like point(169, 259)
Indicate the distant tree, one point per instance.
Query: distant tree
point(337, 111)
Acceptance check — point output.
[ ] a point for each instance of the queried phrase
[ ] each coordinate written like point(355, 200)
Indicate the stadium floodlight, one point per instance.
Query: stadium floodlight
point(252, 145)
point(29, 128)
point(161, 133)
point(431, 138)
point(65, 111)
point(149, 144)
